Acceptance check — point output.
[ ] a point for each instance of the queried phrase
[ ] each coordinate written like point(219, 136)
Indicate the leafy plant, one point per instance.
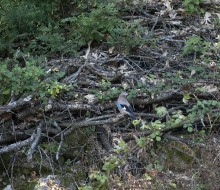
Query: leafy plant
point(195, 44)
point(105, 84)
point(93, 26)
point(155, 166)
point(193, 6)
point(143, 141)
point(200, 110)
point(155, 127)
point(122, 147)
point(19, 79)
point(50, 41)
point(103, 24)
point(107, 93)
point(126, 36)
point(20, 20)
point(27, 79)
point(101, 179)
point(161, 111)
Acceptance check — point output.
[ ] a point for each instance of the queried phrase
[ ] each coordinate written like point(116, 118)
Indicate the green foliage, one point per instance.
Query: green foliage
point(20, 20)
point(195, 44)
point(203, 107)
point(155, 165)
point(19, 79)
point(155, 127)
point(161, 111)
point(189, 127)
point(121, 148)
point(201, 186)
point(16, 16)
point(193, 6)
point(94, 25)
point(136, 122)
point(50, 39)
point(109, 93)
point(87, 187)
point(126, 36)
point(37, 27)
point(27, 79)
point(111, 163)
point(186, 98)
point(177, 118)
point(105, 84)
point(51, 147)
point(143, 141)
point(103, 24)
point(101, 179)
point(133, 93)
point(199, 110)
point(55, 88)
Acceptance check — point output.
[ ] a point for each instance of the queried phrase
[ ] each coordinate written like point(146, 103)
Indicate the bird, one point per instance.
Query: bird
point(124, 106)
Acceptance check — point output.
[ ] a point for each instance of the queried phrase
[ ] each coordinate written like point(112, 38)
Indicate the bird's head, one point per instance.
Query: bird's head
point(124, 94)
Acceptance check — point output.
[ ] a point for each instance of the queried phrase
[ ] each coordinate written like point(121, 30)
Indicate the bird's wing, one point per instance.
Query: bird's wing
point(125, 108)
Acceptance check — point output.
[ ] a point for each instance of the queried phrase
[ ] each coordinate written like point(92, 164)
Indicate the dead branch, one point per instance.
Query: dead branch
point(186, 141)
point(18, 145)
point(35, 141)
point(16, 104)
point(87, 123)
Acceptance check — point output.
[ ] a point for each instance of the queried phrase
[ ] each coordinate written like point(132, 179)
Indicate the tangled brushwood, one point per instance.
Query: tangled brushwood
point(59, 113)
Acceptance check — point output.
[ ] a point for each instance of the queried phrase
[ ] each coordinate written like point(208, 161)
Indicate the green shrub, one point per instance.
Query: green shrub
point(27, 79)
point(50, 41)
point(93, 25)
point(20, 20)
point(103, 24)
point(193, 6)
point(195, 44)
point(36, 27)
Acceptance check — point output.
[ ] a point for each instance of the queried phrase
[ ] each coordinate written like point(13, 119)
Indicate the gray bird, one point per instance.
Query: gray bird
point(124, 106)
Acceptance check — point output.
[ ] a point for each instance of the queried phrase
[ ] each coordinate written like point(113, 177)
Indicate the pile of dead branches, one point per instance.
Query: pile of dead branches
point(26, 120)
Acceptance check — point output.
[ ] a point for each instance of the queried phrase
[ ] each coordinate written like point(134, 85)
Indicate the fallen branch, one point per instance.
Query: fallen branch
point(72, 78)
point(17, 145)
point(87, 123)
point(16, 104)
point(35, 141)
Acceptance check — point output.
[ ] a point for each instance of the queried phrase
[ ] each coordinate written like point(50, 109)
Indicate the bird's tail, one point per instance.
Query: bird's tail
point(133, 117)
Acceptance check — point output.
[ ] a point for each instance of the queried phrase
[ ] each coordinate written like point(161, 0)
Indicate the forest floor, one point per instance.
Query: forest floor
point(173, 85)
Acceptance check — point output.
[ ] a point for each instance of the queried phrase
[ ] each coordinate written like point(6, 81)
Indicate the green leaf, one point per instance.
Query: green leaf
point(186, 96)
point(161, 111)
point(158, 138)
point(153, 135)
point(157, 133)
point(136, 122)
point(190, 129)
point(197, 2)
point(178, 121)
point(7, 91)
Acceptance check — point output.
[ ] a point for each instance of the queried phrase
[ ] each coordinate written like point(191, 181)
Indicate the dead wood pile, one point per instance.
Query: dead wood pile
point(26, 120)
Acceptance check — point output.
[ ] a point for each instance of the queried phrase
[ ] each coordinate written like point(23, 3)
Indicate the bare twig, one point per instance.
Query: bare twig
point(59, 147)
point(73, 77)
point(35, 141)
